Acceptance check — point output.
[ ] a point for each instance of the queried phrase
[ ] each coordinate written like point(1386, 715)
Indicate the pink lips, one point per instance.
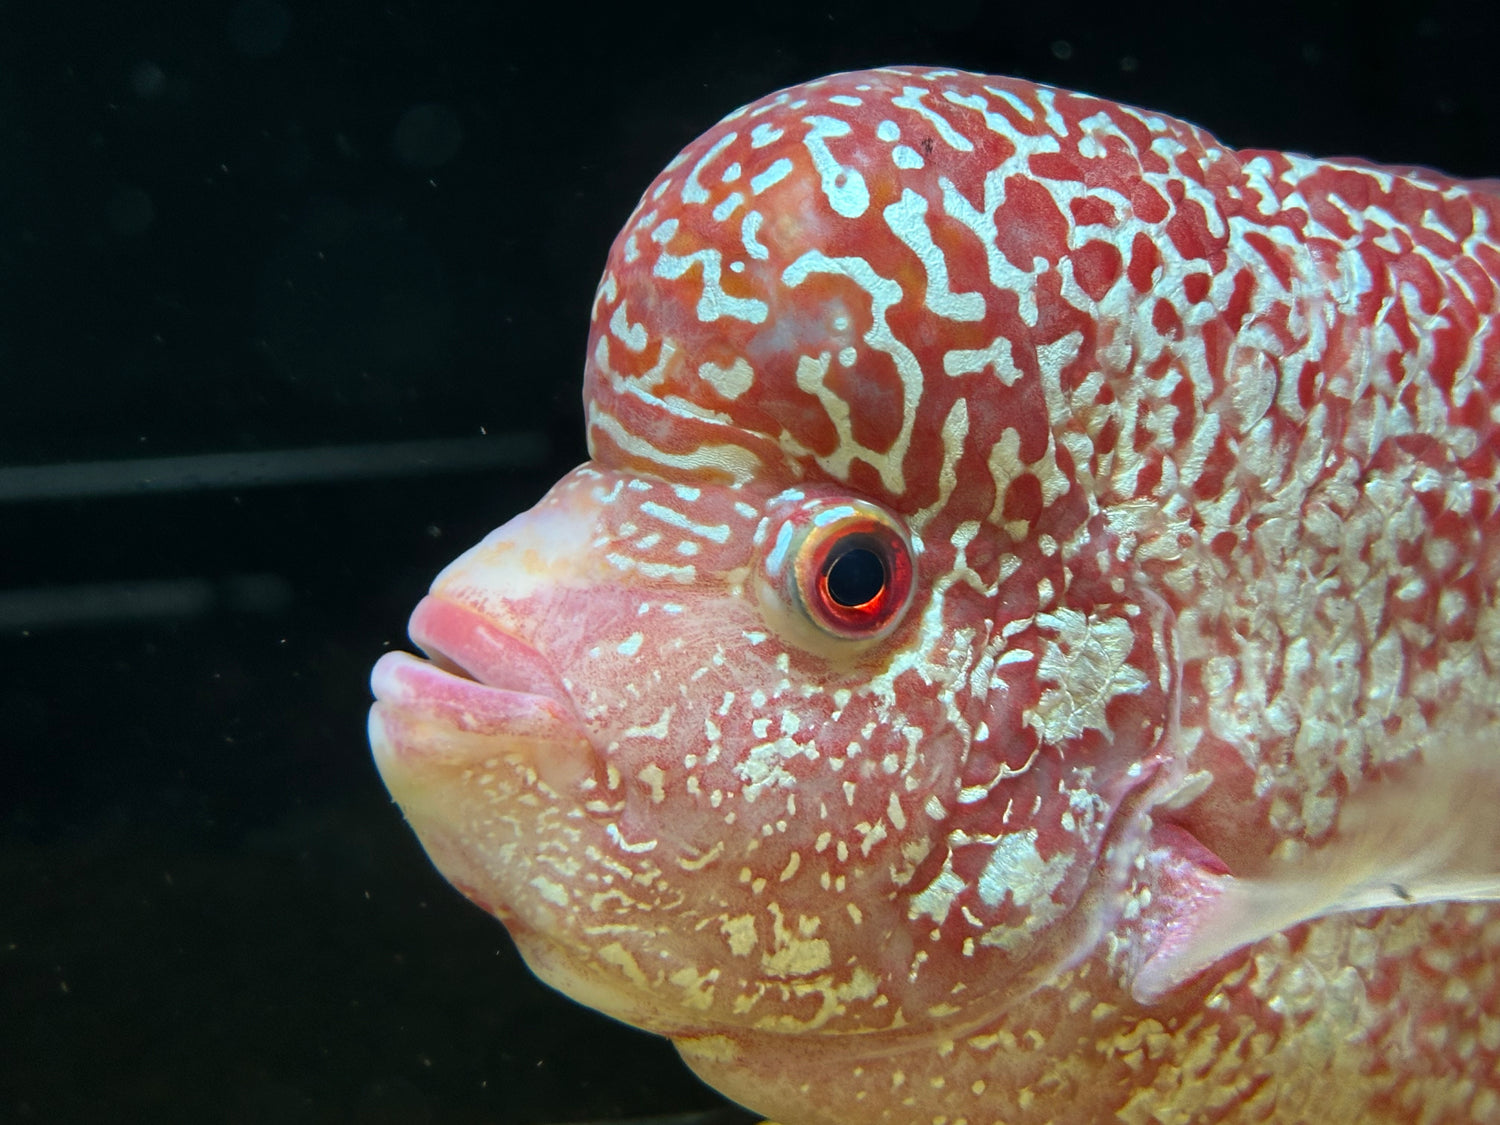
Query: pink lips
point(458, 634)
point(479, 681)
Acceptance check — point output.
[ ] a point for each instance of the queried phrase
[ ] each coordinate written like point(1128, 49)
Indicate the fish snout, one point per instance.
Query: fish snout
point(528, 557)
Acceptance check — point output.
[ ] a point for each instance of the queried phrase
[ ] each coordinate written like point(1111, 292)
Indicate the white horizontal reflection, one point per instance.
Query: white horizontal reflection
point(102, 603)
point(271, 467)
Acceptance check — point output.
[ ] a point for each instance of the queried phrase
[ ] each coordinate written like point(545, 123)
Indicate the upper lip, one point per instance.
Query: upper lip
point(463, 643)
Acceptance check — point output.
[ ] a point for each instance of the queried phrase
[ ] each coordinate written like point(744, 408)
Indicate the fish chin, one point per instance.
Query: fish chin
point(462, 755)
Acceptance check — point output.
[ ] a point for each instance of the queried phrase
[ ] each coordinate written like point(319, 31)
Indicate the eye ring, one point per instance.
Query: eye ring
point(846, 567)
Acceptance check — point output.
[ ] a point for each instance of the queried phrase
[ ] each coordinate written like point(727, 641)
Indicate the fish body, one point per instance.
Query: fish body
point(1024, 646)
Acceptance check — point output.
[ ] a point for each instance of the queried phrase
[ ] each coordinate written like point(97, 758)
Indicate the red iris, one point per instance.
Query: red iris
point(854, 572)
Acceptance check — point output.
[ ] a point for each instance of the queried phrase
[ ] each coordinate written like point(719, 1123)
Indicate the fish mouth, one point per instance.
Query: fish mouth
point(481, 694)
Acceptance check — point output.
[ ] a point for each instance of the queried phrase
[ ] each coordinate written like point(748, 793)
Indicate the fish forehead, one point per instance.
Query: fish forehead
point(882, 278)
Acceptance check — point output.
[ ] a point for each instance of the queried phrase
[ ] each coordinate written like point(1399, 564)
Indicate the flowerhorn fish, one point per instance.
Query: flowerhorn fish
point(1024, 648)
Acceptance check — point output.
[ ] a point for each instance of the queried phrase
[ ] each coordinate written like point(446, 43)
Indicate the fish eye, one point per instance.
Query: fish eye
point(847, 566)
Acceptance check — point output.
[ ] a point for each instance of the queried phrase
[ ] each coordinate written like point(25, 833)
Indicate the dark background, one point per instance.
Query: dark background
point(255, 229)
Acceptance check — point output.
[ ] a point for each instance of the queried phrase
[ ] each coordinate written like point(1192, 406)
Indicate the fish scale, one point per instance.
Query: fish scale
point(1159, 797)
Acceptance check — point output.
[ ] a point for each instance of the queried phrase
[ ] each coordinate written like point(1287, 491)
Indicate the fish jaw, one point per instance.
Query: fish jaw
point(484, 725)
point(481, 722)
point(465, 739)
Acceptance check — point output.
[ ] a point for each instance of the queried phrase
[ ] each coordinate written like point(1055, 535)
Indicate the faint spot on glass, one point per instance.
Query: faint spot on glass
point(258, 28)
point(147, 80)
point(257, 593)
point(353, 304)
point(427, 136)
point(954, 15)
point(129, 211)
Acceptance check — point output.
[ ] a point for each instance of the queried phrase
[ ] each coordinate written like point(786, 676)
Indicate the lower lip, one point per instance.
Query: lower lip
point(419, 688)
point(427, 722)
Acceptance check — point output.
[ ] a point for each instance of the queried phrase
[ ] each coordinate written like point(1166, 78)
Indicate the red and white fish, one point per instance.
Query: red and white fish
point(1025, 646)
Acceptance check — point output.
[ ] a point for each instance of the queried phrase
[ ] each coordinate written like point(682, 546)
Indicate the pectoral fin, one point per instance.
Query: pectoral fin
point(1428, 831)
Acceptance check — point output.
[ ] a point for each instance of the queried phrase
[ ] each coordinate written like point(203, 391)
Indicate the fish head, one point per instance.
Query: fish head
point(815, 700)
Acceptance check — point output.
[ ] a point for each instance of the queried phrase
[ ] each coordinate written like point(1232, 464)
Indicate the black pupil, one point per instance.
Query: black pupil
point(856, 577)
